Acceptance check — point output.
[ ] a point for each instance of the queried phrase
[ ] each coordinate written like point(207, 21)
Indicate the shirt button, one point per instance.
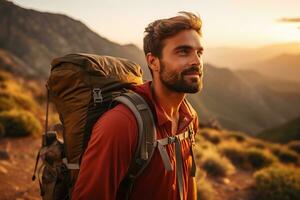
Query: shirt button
point(173, 187)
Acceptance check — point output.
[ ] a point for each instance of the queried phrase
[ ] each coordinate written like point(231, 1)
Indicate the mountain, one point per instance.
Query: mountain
point(35, 38)
point(283, 133)
point(246, 101)
point(239, 58)
point(285, 67)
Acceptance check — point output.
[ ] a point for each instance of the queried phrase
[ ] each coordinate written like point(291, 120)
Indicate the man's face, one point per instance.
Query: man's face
point(181, 66)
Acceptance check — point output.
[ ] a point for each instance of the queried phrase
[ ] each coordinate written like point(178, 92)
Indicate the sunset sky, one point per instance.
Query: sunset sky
point(234, 23)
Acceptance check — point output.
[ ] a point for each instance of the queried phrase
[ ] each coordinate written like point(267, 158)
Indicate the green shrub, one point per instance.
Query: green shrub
point(295, 146)
point(278, 183)
point(257, 144)
point(238, 136)
point(216, 165)
point(234, 152)
point(258, 158)
point(10, 101)
point(210, 136)
point(24, 101)
point(19, 123)
point(205, 190)
point(285, 155)
point(7, 104)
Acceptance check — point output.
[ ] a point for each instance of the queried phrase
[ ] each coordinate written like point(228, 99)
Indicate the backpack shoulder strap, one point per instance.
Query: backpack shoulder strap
point(146, 139)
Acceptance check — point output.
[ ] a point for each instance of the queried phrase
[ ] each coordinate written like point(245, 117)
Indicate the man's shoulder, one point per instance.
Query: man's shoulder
point(118, 113)
point(116, 124)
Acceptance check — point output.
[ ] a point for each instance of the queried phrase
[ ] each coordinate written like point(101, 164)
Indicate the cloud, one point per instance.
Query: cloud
point(290, 20)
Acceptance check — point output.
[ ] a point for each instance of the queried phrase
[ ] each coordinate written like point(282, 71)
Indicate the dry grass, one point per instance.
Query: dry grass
point(215, 164)
point(278, 183)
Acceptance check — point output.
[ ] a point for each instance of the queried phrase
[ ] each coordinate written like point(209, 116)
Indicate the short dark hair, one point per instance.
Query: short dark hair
point(162, 29)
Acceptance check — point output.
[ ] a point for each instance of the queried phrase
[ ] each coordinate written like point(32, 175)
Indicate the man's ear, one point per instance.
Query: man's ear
point(153, 62)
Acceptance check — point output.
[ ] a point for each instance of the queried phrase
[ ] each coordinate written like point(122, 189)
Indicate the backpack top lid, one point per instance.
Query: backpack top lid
point(99, 65)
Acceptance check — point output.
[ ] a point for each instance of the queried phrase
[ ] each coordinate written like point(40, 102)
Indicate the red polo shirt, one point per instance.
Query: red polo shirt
point(111, 148)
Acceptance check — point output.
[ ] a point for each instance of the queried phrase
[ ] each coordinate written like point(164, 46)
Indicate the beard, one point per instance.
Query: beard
point(178, 82)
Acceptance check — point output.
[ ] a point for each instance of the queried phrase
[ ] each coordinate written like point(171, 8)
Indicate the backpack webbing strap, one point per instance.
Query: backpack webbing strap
point(179, 167)
point(169, 140)
point(146, 140)
point(189, 134)
point(72, 166)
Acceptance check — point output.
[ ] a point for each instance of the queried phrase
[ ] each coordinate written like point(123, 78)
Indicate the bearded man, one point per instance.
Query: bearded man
point(173, 51)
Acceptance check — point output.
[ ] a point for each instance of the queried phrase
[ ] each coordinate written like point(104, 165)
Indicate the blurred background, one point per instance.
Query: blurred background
point(248, 146)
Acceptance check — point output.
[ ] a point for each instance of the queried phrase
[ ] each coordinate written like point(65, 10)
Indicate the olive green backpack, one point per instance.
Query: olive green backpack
point(82, 87)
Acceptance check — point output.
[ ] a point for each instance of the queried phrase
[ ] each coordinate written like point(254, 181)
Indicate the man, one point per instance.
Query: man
point(174, 55)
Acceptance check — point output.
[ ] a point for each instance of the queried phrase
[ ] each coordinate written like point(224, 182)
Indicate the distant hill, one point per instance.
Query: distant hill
point(285, 67)
point(284, 133)
point(29, 40)
point(240, 101)
point(35, 38)
point(239, 58)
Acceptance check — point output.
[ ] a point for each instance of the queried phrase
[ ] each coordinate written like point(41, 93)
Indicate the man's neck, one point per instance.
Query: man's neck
point(169, 100)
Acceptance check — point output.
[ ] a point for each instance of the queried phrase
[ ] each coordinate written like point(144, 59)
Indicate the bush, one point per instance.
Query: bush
point(211, 136)
point(19, 123)
point(285, 155)
point(205, 190)
point(234, 152)
point(295, 146)
point(259, 158)
point(24, 101)
point(278, 183)
point(6, 104)
point(257, 144)
point(215, 165)
point(10, 101)
point(238, 136)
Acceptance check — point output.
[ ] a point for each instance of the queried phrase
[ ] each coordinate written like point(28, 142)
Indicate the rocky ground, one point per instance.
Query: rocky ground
point(17, 159)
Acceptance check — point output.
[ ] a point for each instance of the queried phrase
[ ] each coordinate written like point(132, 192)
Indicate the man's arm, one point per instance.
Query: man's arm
point(108, 155)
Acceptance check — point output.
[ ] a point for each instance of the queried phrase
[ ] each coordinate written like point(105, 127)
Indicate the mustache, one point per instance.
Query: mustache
point(192, 69)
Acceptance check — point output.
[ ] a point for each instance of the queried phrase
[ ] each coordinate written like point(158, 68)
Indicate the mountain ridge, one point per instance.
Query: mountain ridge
point(30, 41)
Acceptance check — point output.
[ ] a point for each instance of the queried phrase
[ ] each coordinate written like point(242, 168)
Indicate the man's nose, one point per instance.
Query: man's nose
point(196, 60)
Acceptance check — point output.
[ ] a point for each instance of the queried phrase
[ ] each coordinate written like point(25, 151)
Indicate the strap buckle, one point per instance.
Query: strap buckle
point(171, 139)
point(97, 95)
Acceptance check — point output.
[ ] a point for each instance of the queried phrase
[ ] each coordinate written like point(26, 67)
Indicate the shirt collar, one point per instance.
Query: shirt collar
point(185, 113)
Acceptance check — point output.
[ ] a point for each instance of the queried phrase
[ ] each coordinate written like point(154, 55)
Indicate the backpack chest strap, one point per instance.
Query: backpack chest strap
point(189, 134)
point(172, 139)
point(161, 143)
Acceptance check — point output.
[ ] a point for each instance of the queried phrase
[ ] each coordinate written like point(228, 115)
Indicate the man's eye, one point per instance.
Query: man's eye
point(183, 52)
point(199, 53)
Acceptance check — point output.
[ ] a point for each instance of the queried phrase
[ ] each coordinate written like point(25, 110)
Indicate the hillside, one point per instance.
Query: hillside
point(31, 39)
point(245, 101)
point(227, 56)
point(230, 166)
point(282, 67)
point(289, 131)
point(36, 38)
